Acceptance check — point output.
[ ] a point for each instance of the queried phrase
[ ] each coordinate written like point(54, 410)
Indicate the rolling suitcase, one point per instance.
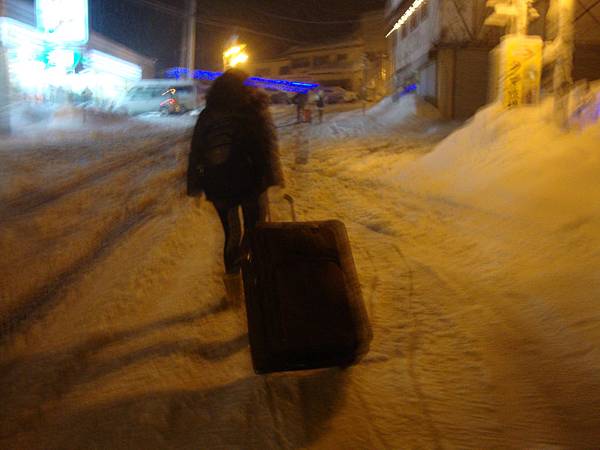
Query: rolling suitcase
point(303, 298)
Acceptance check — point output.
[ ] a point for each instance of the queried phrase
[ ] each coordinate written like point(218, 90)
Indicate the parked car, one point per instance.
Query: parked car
point(336, 94)
point(147, 96)
point(276, 97)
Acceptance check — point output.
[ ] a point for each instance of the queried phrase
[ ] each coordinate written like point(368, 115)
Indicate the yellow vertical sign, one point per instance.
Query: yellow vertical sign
point(520, 70)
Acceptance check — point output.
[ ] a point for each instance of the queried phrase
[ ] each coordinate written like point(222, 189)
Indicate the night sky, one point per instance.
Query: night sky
point(157, 34)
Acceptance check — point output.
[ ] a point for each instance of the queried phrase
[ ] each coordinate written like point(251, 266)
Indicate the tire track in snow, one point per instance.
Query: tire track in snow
point(529, 404)
point(139, 209)
point(413, 345)
point(27, 202)
point(62, 232)
point(37, 305)
point(434, 338)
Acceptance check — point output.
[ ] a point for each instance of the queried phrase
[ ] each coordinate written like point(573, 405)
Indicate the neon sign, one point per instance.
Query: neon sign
point(103, 62)
point(63, 21)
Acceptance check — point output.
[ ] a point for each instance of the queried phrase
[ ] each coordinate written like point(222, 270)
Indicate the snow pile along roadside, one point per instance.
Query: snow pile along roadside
point(38, 124)
point(405, 111)
point(515, 162)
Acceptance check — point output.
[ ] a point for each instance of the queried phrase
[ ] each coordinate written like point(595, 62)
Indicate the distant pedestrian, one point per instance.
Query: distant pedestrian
point(87, 96)
point(234, 159)
point(320, 102)
point(300, 100)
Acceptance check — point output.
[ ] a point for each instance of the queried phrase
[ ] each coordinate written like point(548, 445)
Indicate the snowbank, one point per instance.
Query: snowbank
point(41, 124)
point(517, 162)
point(403, 112)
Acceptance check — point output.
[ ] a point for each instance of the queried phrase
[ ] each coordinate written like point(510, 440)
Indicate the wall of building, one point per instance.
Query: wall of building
point(448, 53)
point(471, 74)
point(427, 86)
point(343, 57)
point(445, 71)
point(377, 65)
point(371, 31)
point(330, 65)
point(415, 39)
point(586, 62)
point(587, 24)
point(103, 44)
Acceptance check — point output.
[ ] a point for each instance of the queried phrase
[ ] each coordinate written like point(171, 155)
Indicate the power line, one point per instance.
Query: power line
point(211, 22)
point(315, 22)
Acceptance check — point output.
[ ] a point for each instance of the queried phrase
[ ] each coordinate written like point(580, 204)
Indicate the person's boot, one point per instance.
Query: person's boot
point(234, 289)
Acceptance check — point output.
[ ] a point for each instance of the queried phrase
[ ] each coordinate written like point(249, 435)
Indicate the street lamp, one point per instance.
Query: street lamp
point(235, 56)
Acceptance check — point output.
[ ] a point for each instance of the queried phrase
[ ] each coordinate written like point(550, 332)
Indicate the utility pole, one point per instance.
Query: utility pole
point(4, 83)
point(184, 40)
point(563, 64)
point(188, 40)
point(192, 35)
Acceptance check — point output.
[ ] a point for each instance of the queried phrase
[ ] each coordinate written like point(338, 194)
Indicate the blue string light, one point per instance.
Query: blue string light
point(284, 85)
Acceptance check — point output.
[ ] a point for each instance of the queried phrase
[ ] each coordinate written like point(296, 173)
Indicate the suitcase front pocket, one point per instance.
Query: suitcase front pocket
point(313, 306)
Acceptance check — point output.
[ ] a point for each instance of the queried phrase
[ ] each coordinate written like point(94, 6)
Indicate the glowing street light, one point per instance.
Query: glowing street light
point(234, 56)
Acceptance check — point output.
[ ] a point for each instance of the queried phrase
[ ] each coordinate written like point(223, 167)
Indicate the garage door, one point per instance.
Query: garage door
point(471, 81)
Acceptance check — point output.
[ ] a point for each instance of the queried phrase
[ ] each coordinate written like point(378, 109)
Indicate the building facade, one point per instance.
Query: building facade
point(334, 64)
point(443, 48)
point(54, 72)
point(357, 63)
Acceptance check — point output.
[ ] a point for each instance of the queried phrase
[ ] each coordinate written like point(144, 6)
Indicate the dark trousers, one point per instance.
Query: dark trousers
point(254, 210)
point(300, 113)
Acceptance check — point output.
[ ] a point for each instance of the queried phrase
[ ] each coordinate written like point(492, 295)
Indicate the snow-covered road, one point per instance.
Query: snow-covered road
point(114, 333)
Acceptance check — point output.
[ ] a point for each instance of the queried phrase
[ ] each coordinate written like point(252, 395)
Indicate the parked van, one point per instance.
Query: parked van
point(147, 95)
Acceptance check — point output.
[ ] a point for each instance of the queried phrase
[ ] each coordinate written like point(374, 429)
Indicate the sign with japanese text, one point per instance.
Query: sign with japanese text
point(520, 70)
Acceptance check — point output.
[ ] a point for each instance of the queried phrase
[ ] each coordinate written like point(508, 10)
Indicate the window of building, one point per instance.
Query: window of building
point(264, 72)
point(424, 10)
point(284, 70)
point(342, 57)
point(322, 60)
point(414, 21)
point(299, 63)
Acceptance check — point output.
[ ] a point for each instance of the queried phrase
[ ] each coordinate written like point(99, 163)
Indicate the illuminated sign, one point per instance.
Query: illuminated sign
point(17, 35)
point(520, 70)
point(105, 63)
point(63, 21)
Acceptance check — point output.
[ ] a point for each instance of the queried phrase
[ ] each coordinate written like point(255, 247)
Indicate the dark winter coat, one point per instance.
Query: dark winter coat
point(300, 99)
point(234, 154)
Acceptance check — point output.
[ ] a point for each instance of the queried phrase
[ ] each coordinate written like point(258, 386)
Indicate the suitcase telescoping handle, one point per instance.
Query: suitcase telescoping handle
point(288, 198)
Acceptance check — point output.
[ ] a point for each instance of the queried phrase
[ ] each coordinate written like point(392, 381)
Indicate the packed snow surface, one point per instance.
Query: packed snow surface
point(478, 255)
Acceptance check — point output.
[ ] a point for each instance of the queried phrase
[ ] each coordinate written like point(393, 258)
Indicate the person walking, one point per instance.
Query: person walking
point(300, 100)
point(234, 160)
point(320, 102)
